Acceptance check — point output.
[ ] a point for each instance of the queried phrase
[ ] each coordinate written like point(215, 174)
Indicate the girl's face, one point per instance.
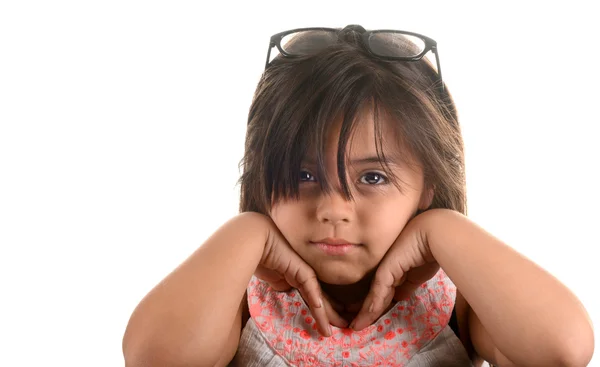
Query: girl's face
point(317, 223)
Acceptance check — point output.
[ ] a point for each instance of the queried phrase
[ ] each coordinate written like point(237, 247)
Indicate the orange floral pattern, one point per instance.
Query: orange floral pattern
point(285, 322)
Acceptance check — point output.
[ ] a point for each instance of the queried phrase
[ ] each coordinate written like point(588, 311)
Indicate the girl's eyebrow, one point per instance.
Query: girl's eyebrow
point(365, 160)
point(375, 159)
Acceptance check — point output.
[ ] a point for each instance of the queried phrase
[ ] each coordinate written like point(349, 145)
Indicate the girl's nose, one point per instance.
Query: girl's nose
point(333, 208)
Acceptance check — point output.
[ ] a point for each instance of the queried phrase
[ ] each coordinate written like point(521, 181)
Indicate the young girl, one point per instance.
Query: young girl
point(352, 247)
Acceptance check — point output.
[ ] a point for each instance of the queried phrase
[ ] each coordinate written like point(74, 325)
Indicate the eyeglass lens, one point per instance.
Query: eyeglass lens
point(381, 44)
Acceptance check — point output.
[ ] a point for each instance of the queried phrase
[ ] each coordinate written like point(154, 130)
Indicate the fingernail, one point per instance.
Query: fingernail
point(372, 307)
point(330, 331)
point(320, 302)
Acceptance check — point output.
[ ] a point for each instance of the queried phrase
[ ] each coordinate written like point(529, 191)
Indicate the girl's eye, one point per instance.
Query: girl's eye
point(373, 178)
point(306, 176)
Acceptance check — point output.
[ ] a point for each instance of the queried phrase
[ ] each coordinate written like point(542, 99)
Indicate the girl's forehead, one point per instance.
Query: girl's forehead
point(368, 136)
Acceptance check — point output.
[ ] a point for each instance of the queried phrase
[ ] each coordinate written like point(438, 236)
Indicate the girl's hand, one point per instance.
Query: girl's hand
point(407, 264)
point(283, 269)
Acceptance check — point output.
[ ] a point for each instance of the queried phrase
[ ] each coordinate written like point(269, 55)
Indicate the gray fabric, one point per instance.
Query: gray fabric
point(253, 350)
point(445, 350)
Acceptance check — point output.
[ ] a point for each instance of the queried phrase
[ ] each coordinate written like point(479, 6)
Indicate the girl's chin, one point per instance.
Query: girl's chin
point(339, 275)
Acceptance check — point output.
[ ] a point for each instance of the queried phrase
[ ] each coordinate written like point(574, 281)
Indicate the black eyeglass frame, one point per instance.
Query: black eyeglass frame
point(430, 45)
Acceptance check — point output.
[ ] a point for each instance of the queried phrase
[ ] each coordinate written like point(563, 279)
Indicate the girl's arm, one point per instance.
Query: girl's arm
point(521, 315)
point(188, 318)
point(194, 316)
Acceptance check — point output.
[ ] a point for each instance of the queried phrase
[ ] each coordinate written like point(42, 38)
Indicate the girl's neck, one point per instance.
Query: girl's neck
point(348, 299)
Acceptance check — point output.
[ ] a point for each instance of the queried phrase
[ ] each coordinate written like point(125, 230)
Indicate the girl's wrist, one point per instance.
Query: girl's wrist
point(255, 225)
point(440, 228)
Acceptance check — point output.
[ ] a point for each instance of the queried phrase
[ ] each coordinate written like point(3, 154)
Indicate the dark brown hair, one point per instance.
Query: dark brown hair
point(297, 100)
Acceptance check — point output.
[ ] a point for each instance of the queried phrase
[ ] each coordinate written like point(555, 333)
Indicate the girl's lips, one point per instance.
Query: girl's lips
point(335, 249)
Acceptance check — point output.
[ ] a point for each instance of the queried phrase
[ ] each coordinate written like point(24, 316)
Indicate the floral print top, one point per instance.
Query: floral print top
point(281, 331)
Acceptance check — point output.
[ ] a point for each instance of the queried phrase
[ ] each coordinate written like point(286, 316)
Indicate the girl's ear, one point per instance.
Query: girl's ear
point(426, 198)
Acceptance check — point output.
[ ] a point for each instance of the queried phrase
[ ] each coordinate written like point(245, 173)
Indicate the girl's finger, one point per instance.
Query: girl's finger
point(305, 280)
point(274, 279)
point(379, 297)
point(333, 316)
point(280, 285)
point(414, 279)
point(310, 290)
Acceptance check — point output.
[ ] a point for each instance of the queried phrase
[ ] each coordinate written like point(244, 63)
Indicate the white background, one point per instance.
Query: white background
point(122, 126)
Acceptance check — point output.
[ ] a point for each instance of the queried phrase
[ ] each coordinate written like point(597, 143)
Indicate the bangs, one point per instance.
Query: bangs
point(313, 104)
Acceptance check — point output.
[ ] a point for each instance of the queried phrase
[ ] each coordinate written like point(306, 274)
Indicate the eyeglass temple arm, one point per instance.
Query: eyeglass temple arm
point(439, 68)
point(271, 45)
